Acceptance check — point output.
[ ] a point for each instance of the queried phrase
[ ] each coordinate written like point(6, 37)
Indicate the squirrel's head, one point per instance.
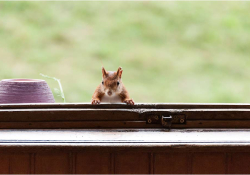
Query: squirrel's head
point(111, 81)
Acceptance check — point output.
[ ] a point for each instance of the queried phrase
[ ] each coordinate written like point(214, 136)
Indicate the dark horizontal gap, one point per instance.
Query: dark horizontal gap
point(124, 106)
point(116, 120)
point(60, 121)
point(171, 110)
point(236, 119)
point(148, 142)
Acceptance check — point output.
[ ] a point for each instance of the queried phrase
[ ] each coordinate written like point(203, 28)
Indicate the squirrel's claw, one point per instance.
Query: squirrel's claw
point(129, 102)
point(95, 102)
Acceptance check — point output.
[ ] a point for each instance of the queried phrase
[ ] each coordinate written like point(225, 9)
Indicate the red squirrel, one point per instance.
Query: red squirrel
point(111, 90)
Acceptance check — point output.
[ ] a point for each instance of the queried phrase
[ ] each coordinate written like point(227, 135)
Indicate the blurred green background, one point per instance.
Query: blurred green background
point(170, 51)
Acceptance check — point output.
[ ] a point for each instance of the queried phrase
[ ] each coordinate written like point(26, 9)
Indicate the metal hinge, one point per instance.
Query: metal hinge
point(166, 120)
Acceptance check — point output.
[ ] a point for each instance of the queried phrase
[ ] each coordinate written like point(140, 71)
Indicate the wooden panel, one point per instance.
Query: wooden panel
point(4, 163)
point(71, 114)
point(239, 163)
point(76, 125)
point(18, 115)
point(121, 114)
point(106, 116)
point(209, 163)
point(20, 163)
point(52, 163)
point(124, 124)
point(172, 163)
point(217, 114)
point(93, 163)
point(132, 163)
point(214, 124)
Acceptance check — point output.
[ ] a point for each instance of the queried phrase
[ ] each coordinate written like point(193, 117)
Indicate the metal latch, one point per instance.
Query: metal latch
point(166, 120)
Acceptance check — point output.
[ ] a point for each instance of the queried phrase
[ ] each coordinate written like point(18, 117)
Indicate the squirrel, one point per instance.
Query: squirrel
point(111, 89)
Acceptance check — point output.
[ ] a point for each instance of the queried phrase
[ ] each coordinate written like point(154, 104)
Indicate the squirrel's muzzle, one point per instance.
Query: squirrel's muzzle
point(109, 93)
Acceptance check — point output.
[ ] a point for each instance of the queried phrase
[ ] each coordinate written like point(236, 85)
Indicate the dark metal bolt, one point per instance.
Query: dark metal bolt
point(182, 120)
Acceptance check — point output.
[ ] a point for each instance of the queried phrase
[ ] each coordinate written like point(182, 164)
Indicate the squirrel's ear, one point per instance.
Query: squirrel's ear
point(119, 72)
point(104, 73)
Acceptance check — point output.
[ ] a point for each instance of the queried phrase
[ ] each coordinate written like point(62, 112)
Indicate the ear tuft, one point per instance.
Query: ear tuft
point(119, 72)
point(104, 73)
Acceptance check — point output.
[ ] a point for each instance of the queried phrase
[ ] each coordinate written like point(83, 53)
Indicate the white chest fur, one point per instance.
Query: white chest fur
point(111, 99)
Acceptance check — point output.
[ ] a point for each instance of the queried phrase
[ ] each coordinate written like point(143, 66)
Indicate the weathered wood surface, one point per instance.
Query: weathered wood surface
point(66, 118)
point(125, 151)
point(33, 147)
point(70, 114)
point(188, 136)
point(189, 140)
point(96, 162)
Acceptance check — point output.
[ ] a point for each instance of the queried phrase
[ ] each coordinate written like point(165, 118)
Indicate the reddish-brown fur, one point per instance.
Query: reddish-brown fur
point(110, 80)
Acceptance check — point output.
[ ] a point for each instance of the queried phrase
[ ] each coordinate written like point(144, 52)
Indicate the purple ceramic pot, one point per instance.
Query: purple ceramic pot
point(25, 91)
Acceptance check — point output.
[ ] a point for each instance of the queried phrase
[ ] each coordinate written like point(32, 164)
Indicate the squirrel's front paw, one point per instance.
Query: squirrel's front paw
point(95, 102)
point(129, 102)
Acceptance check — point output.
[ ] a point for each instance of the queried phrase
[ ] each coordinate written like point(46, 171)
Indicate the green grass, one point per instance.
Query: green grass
point(170, 51)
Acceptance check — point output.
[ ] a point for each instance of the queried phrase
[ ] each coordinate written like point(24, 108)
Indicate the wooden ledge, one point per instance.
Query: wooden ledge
point(161, 136)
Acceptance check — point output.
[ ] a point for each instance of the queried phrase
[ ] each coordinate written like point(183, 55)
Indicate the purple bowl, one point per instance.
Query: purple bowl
point(25, 91)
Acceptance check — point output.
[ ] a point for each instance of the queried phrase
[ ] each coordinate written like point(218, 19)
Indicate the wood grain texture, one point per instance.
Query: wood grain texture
point(120, 118)
point(171, 163)
point(128, 162)
point(76, 125)
point(42, 115)
point(239, 163)
point(133, 150)
point(20, 163)
point(4, 163)
point(93, 163)
point(209, 163)
point(214, 124)
point(52, 163)
point(123, 124)
point(71, 116)
point(132, 163)
point(217, 114)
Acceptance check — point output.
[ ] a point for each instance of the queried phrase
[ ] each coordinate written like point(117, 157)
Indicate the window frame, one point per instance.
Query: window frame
point(141, 116)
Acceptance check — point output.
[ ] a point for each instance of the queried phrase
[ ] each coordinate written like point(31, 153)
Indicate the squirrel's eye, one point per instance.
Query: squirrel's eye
point(118, 83)
point(102, 82)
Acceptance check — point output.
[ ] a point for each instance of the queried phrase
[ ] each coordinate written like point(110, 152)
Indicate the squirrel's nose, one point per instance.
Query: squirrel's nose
point(109, 93)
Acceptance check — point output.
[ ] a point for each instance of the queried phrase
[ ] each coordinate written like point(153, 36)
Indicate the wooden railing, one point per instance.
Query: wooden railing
point(53, 116)
point(145, 138)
